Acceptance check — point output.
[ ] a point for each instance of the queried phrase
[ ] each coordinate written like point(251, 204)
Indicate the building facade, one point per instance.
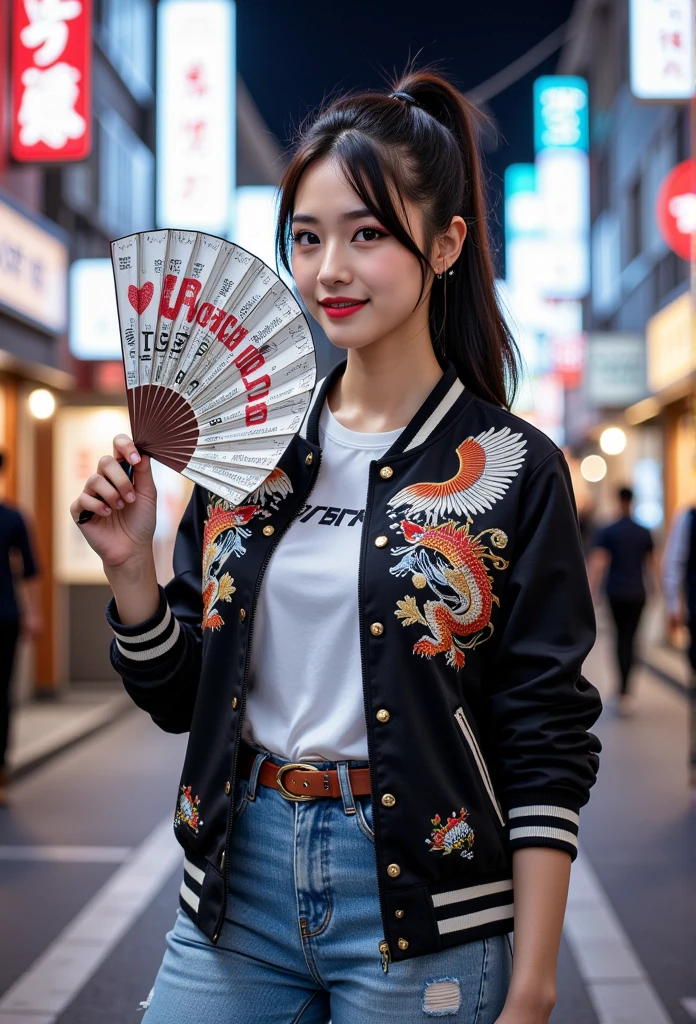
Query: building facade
point(52, 214)
point(640, 287)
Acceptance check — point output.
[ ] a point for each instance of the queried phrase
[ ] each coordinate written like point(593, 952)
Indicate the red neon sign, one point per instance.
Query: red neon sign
point(51, 80)
point(675, 208)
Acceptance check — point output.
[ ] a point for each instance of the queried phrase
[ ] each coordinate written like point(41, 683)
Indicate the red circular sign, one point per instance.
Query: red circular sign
point(676, 208)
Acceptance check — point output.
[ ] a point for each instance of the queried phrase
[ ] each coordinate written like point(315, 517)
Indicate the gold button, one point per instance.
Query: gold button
point(386, 472)
point(403, 943)
point(388, 800)
point(382, 715)
point(309, 459)
point(235, 702)
point(268, 530)
point(242, 614)
point(227, 788)
point(376, 628)
point(399, 914)
point(381, 542)
point(393, 870)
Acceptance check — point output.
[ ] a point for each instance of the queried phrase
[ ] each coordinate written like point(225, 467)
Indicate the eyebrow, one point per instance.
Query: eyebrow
point(304, 218)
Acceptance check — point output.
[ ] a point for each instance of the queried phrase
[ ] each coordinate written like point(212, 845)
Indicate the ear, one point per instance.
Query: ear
point(449, 245)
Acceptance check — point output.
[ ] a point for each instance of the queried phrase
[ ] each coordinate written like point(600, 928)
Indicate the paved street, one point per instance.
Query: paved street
point(89, 874)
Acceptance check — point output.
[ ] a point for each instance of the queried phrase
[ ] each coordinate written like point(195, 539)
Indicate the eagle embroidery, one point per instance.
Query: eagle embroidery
point(487, 465)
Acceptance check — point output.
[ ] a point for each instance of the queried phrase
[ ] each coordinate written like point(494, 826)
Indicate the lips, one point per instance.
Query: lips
point(342, 305)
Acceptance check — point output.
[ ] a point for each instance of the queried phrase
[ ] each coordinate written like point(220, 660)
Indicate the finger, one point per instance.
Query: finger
point(108, 468)
point(99, 487)
point(91, 504)
point(142, 478)
point(124, 448)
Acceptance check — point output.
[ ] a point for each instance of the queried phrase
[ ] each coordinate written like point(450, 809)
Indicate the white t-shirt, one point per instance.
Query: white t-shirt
point(305, 697)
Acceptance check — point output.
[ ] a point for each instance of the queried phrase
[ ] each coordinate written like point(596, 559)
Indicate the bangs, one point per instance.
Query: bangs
point(380, 178)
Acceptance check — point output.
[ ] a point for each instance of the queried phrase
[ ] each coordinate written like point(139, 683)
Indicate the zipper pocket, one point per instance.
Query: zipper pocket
point(480, 763)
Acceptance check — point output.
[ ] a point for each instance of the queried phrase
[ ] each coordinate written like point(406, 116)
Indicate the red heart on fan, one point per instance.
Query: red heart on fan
point(139, 298)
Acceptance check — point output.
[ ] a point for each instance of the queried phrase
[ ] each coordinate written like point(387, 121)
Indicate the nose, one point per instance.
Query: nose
point(334, 267)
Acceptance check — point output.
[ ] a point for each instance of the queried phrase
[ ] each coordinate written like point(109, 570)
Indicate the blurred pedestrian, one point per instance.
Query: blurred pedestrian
point(351, 799)
point(19, 612)
point(679, 583)
point(621, 560)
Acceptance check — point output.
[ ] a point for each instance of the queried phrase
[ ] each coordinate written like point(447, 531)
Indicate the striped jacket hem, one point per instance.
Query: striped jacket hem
point(159, 638)
point(540, 823)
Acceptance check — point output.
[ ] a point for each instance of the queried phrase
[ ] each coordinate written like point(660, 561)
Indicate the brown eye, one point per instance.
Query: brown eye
point(305, 238)
point(370, 234)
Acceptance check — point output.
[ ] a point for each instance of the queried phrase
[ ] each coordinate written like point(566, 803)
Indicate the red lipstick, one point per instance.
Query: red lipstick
point(342, 305)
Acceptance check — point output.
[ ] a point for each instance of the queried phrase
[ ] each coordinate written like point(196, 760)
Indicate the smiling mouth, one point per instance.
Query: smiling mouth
point(339, 308)
point(327, 304)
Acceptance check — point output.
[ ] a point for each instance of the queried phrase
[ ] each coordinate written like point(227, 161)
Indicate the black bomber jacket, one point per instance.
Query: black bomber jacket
point(475, 618)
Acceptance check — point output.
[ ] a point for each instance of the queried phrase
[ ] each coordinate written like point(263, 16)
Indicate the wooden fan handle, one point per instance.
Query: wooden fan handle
point(85, 515)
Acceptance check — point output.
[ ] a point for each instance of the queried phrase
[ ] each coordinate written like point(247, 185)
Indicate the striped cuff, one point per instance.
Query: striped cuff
point(148, 640)
point(542, 824)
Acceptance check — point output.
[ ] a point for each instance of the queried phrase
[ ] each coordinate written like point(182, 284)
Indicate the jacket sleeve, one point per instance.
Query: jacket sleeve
point(541, 707)
point(160, 660)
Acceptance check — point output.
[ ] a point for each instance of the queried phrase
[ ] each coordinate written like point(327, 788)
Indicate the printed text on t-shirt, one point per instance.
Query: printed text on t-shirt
point(332, 516)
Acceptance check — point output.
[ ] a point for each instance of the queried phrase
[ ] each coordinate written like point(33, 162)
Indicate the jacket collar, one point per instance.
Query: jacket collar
point(427, 419)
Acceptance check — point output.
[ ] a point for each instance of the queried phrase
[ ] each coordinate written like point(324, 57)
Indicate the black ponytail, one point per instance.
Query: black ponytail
point(423, 137)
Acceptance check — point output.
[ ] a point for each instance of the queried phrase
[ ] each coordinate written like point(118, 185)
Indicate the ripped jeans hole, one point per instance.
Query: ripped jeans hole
point(441, 997)
point(146, 1002)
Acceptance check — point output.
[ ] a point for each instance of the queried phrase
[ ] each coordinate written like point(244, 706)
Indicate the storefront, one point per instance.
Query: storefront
point(33, 314)
point(82, 434)
point(671, 370)
point(624, 455)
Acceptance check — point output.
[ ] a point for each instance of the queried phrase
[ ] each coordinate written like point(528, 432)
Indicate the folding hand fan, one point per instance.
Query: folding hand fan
point(219, 358)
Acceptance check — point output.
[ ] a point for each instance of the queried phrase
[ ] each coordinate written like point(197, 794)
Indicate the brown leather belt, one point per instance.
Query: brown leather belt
point(303, 781)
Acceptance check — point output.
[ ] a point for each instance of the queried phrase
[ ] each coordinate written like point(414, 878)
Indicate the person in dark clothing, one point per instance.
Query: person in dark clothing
point(14, 617)
point(679, 584)
point(623, 552)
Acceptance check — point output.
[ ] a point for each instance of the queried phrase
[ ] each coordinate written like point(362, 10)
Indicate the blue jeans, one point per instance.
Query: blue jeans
point(302, 931)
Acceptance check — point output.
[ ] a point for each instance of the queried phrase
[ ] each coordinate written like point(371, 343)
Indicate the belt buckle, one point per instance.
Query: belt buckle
point(298, 798)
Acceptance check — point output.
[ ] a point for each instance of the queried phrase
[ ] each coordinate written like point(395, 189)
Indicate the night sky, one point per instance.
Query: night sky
point(294, 53)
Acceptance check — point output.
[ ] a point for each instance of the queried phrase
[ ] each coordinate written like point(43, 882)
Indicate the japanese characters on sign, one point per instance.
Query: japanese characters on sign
point(33, 270)
point(195, 116)
point(51, 80)
point(662, 49)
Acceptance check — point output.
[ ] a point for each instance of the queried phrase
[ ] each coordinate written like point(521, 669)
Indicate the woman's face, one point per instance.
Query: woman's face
point(355, 278)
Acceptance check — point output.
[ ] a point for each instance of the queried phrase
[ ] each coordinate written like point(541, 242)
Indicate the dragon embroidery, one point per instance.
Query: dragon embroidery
point(451, 562)
point(223, 533)
point(442, 554)
point(222, 536)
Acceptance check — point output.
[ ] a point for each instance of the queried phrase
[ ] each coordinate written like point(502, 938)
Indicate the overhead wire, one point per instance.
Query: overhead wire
point(501, 80)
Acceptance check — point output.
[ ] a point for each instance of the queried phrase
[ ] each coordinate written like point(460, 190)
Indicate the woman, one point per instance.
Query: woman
point(405, 736)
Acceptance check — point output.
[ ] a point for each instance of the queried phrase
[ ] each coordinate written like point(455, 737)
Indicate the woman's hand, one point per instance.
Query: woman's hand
point(123, 524)
point(526, 1011)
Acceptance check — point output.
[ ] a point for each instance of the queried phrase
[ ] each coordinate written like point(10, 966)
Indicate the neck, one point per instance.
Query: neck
point(385, 384)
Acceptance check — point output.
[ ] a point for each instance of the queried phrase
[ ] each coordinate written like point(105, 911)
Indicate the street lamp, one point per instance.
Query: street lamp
point(612, 441)
point(42, 404)
point(593, 468)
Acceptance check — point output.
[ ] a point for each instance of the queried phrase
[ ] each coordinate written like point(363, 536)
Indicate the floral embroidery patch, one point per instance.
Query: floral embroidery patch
point(455, 834)
point(187, 810)
point(444, 556)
